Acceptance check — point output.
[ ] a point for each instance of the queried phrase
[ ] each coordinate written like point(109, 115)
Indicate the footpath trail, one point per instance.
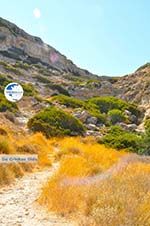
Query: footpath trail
point(18, 206)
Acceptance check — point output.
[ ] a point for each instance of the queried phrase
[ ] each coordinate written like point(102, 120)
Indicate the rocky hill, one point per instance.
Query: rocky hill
point(135, 87)
point(44, 65)
point(44, 72)
point(16, 44)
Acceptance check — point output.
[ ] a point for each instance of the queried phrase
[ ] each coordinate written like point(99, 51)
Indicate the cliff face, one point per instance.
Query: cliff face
point(16, 44)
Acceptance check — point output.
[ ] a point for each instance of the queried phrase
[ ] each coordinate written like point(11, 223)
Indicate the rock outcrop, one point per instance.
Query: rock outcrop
point(16, 44)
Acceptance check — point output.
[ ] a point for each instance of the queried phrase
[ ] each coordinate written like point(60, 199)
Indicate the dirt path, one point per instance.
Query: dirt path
point(18, 206)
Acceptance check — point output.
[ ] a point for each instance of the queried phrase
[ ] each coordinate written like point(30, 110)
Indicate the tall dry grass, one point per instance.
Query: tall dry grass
point(99, 186)
point(22, 144)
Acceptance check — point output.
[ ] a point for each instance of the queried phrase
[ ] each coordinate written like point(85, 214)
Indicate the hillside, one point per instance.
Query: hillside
point(44, 62)
point(91, 134)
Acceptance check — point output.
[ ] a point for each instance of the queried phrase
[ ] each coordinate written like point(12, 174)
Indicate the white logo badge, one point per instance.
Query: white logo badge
point(13, 92)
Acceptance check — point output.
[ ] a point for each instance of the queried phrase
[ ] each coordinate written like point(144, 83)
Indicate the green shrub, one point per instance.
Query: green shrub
point(120, 139)
point(55, 122)
point(29, 89)
point(77, 103)
point(22, 65)
point(145, 149)
point(147, 125)
point(108, 103)
point(69, 101)
point(116, 116)
point(6, 105)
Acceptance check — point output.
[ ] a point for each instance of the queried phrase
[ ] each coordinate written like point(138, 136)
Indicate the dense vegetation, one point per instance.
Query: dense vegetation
point(55, 122)
point(69, 101)
point(108, 110)
point(107, 103)
point(120, 139)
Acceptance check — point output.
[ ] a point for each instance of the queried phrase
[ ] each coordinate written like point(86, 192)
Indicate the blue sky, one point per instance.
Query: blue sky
point(107, 37)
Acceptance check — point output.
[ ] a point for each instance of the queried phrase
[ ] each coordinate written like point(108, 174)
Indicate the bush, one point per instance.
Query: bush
point(6, 105)
point(77, 103)
point(69, 101)
point(145, 146)
point(105, 104)
point(55, 122)
point(120, 139)
point(116, 116)
point(21, 65)
point(29, 89)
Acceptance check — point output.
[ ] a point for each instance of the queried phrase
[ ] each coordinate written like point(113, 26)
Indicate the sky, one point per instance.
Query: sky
point(106, 37)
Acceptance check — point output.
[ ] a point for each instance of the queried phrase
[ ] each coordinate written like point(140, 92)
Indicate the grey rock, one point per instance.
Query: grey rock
point(82, 115)
point(94, 133)
point(132, 127)
point(133, 119)
point(91, 120)
point(92, 127)
point(128, 127)
point(100, 125)
point(128, 113)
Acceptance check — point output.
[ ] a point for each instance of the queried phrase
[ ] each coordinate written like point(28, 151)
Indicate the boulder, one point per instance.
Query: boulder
point(131, 127)
point(92, 127)
point(127, 113)
point(93, 133)
point(128, 127)
point(91, 120)
point(133, 119)
point(100, 125)
point(82, 115)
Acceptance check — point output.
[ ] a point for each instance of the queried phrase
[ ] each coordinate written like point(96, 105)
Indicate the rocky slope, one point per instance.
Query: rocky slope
point(44, 72)
point(135, 87)
point(46, 63)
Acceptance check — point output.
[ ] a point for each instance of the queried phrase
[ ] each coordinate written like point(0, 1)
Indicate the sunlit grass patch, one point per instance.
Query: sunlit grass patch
point(99, 185)
point(79, 159)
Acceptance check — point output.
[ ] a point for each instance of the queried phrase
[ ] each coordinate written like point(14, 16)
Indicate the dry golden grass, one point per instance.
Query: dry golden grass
point(99, 186)
point(22, 144)
point(80, 158)
point(36, 144)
